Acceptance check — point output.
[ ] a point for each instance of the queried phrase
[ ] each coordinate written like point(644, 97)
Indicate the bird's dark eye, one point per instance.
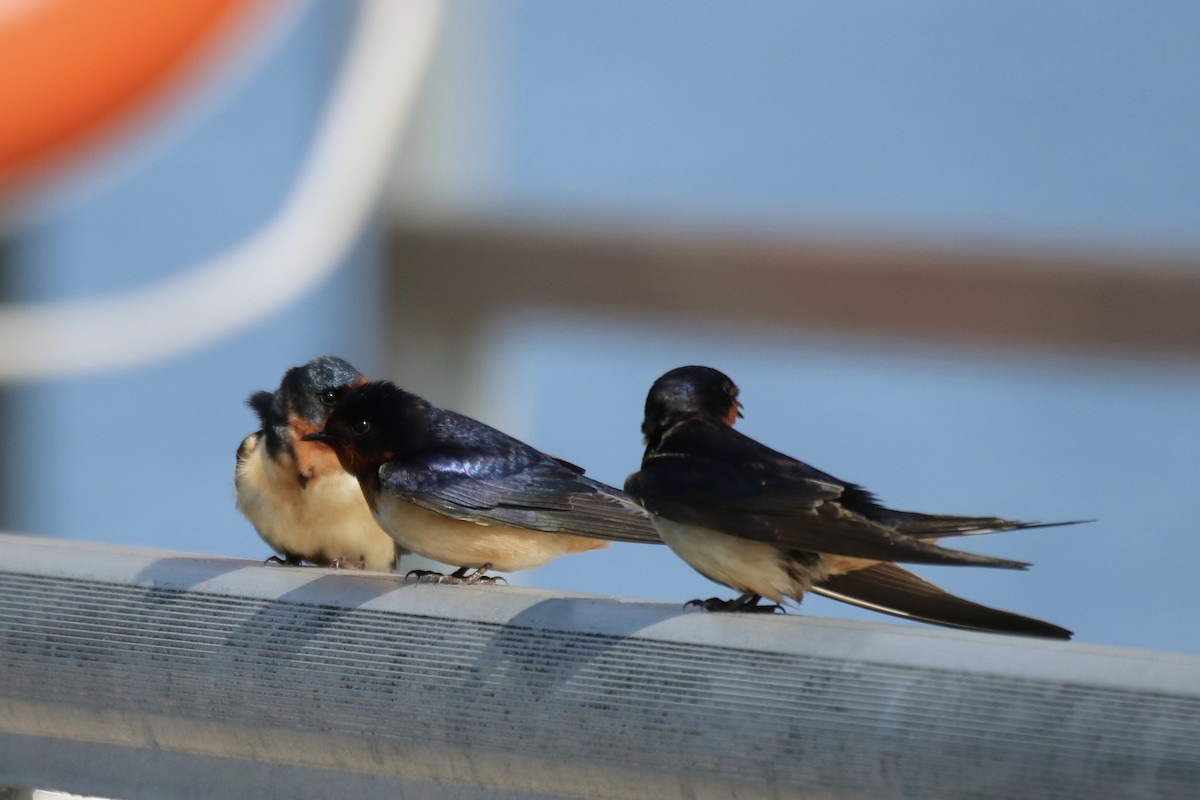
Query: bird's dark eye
point(329, 397)
point(361, 428)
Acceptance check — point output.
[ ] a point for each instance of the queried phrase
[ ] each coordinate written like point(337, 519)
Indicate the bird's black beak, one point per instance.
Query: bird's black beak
point(739, 409)
point(318, 436)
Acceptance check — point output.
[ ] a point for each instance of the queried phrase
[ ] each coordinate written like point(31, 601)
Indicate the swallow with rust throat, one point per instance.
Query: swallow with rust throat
point(455, 490)
point(294, 492)
point(769, 526)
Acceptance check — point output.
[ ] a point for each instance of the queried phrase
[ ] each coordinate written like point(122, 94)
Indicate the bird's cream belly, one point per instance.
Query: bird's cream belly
point(322, 522)
point(467, 544)
point(744, 565)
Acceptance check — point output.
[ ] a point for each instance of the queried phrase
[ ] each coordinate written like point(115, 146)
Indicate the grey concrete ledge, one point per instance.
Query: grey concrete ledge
point(132, 673)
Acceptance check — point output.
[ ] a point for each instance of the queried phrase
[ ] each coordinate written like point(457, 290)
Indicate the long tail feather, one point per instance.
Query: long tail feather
point(933, 526)
point(892, 590)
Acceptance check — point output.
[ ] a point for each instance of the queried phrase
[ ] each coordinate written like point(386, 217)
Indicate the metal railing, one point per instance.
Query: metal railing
point(131, 673)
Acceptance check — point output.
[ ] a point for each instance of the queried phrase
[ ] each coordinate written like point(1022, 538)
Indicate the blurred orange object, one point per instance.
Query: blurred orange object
point(70, 68)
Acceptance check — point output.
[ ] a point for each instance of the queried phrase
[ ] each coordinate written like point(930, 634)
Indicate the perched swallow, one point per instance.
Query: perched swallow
point(295, 493)
point(767, 525)
point(455, 490)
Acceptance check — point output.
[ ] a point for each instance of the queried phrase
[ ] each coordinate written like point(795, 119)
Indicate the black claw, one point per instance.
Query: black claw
point(290, 561)
point(424, 573)
point(747, 603)
point(460, 576)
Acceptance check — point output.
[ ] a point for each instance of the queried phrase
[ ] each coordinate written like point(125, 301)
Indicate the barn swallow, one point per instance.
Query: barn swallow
point(455, 490)
point(769, 526)
point(295, 493)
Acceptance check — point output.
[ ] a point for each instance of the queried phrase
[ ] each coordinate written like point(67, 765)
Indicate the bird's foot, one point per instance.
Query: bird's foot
point(747, 603)
point(460, 576)
point(422, 574)
point(341, 562)
point(290, 561)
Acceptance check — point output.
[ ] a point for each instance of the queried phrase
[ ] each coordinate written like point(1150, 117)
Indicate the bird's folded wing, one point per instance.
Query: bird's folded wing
point(787, 509)
point(542, 496)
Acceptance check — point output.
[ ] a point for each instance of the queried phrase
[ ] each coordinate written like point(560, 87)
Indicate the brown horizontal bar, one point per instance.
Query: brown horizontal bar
point(1123, 303)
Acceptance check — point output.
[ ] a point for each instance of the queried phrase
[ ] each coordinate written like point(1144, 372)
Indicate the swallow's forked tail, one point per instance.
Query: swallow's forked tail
point(893, 590)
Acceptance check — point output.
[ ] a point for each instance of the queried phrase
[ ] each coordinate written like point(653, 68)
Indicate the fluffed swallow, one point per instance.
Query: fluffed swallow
point(455, 490)
point(769, 526)
point(294, 492)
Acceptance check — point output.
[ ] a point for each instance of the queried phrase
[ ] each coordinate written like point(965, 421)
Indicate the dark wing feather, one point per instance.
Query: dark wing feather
point(892, 590)
point(713, 476)
point(933, 526)
point(523, 489)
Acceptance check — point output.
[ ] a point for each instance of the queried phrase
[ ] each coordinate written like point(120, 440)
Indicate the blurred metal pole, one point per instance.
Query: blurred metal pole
point(8, 455)
point(455, 278)
point(131, 674)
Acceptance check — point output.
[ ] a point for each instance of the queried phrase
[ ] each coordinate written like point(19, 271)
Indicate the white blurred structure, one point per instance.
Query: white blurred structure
point(294, 252)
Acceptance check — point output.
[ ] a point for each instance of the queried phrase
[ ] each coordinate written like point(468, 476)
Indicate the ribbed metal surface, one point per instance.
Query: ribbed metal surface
point(634, 708)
